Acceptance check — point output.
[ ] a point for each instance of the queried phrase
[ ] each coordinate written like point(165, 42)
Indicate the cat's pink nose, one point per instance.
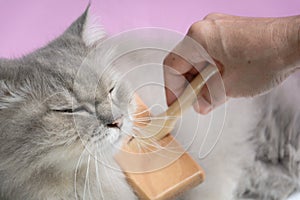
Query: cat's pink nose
point(117, 123)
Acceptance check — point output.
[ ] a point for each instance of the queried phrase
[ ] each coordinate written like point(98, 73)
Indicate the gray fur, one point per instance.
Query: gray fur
point(41, 141)
point(274, 172)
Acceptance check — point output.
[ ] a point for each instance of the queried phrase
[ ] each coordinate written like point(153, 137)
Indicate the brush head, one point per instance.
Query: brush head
point(157, 170)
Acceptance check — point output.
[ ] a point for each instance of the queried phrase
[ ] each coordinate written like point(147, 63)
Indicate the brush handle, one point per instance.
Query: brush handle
point(186, 99)
point(189, 96)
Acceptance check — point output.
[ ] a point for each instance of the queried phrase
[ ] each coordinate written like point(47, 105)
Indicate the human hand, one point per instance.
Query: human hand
point(253, 55)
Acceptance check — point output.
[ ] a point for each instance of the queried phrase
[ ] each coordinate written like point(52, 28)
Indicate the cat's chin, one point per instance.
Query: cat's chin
point(112, 143)
point(117, 136)
point(114, 136)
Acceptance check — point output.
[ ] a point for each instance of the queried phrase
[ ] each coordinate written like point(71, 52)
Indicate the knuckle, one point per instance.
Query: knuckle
point(194, 28)
point(215, 16)
point(202, 31)
point(211, 16)
point(201, 27)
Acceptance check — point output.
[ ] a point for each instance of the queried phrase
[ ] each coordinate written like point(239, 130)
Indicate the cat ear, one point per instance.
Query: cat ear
point(87, 28)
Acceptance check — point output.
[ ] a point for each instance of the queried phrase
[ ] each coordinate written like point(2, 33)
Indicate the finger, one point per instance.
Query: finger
point(177, 63)
point(174, 84)
point(186, 60)
point(174, 69)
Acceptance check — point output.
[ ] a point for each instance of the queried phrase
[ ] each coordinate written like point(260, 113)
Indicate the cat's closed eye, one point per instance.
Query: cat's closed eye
point(111, 89)
point(73, 110)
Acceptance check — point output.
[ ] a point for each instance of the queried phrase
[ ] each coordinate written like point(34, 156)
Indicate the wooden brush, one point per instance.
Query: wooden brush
point(156, 166)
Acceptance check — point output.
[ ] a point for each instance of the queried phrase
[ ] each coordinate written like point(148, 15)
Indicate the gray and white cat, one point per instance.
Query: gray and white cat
point(59, 132)
point(46, 153)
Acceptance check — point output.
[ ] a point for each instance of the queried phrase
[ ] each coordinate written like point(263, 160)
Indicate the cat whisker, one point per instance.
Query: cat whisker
point(76, 170)
point(86, 182)
point(147, 119)
point(146, 146)
point(156, 118)
point(140, 119)
point(150, 142)
point(153, 125)
point(139, 113)
point(165, 153)
point(107, 174)
point(146, 123)
point(97, 173)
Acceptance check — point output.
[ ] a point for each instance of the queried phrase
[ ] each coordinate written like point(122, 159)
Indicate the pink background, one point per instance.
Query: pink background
point(28, 24)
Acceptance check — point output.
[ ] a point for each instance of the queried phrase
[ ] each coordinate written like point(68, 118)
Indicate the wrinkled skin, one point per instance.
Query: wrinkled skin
point(253, 55)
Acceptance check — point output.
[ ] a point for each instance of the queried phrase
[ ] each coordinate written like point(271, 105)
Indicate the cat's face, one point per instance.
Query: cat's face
point(53, 103)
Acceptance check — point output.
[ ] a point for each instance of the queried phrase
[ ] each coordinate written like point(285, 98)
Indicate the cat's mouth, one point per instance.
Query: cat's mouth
point(112, 132)
point(113, 126)
point(117, 123)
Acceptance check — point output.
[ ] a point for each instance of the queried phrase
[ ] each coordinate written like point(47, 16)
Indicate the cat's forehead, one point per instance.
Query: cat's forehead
point(92, 85)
